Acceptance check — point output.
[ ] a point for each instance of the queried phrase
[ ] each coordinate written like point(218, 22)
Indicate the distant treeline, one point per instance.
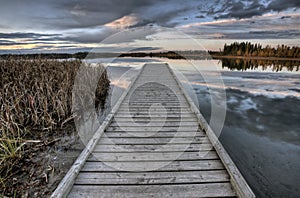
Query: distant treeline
point(256, 50)
point(169, 54)
point(253, 64)
point(191, 54)
point(79, 55)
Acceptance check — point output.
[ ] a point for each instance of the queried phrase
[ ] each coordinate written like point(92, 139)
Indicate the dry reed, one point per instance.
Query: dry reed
point(37, 94)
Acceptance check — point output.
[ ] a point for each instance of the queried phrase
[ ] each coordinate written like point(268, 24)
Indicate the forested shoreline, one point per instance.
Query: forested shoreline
point(248, 49)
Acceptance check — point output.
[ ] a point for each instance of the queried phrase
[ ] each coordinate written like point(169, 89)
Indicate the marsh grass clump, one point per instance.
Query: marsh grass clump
point(36, 96)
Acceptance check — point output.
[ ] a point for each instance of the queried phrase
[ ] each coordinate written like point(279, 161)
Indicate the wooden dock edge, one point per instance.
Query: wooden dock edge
point(65, 186)
point(237, 180)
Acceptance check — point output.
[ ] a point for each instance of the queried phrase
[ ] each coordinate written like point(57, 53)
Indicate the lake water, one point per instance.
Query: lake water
point(261, 128)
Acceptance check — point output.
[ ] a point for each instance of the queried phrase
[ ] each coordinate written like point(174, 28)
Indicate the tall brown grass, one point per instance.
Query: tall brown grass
point(37, 94)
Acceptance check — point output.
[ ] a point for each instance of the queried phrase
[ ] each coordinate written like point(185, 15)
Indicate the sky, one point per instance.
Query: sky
point(35, 26)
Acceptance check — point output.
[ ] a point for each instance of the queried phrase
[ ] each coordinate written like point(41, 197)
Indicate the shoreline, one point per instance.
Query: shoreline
point(255, 58)
point(168, 55)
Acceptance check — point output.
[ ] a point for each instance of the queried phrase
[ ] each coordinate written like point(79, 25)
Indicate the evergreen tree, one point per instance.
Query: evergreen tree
point(254, 50)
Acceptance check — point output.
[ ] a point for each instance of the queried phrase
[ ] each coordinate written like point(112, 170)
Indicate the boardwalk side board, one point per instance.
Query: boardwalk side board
point(67, 182)
point(237, 180)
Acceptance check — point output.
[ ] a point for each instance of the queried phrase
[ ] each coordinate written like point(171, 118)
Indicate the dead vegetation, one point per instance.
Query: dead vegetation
point(35, 98)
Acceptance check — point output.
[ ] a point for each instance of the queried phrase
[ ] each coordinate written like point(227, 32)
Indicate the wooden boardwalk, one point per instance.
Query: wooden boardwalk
point(155, 143)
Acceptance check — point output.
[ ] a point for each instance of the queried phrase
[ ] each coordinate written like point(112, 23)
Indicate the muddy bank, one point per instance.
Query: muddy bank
point(43, 164)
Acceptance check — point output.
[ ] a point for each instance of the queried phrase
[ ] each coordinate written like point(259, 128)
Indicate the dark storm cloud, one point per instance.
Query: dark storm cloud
point(164, 19)
point(143, 22)
point(30, 38)
point(90, 13)
point(280, 5)
point(200, 17)
point(65, 14)
point(106, 35)
point(239, 10)
point(88, 37)
point(54, 48)
point(103, 6)
point(8, 43)
point(9, 39)
point(84, 38)
point(81, 37)
point(145, 49)
point(285, 17)
point(19, 35)
point(285, 34)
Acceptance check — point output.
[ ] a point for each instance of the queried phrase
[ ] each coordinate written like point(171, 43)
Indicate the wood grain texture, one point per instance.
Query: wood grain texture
point(187, 190)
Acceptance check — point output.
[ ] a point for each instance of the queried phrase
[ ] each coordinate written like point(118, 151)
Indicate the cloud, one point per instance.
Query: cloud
point(65, 14)
point(90, 13)
point(130, 35)
point(248, 9)
point(101, 35)
point(140, 49)
point(135, 13)
point(243, 10)
point(19, 35)
point(268, 21)
point(288, 34)
point(124, 22)
point(8, 43)
point(268, 26)
point(280, 5)
point(91, 36)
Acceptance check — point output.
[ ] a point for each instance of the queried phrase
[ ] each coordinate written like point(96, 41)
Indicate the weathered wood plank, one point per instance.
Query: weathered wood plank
point(187, 190)
point(153, 148)
point(154, 124)
point(163, 101)
point(156, 100)
point(147, 111)
point(172, 166)
point(153, 129)
point(154, 93)
point(153, 140)
point(155, 115)
point(152, 156)
point(115, 134)
point(132, 108)
point(148, 105)
point(152, 177)
point(185, 119)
